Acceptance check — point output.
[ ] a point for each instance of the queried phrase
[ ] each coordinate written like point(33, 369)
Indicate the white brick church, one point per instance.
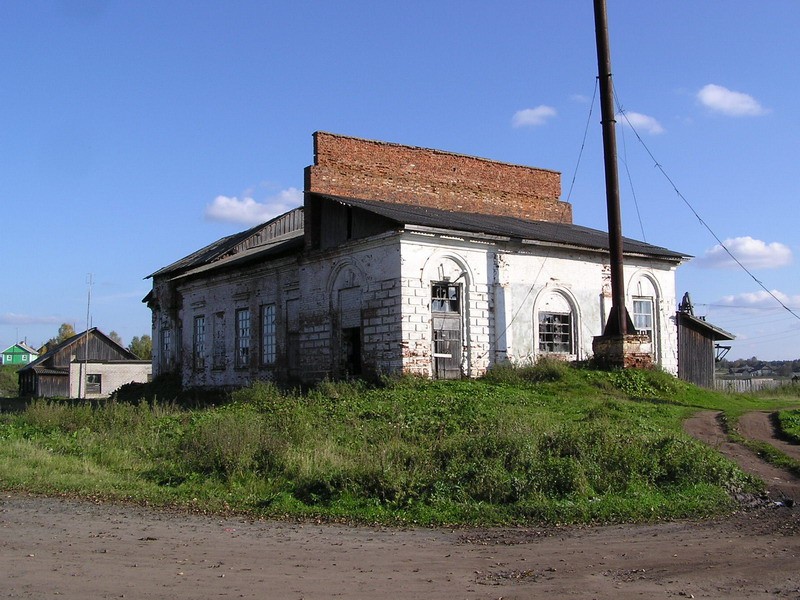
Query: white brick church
point(403, 260)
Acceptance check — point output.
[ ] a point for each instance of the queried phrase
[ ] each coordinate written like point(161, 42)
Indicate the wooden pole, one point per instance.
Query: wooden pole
point(618, 319)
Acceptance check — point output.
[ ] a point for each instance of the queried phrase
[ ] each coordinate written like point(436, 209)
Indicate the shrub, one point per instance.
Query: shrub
point(544, 369)
point(789, 424)
point(224, 441)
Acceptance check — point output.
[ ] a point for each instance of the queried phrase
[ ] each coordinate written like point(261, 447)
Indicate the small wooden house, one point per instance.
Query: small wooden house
point(87, 365)
point(19, 354)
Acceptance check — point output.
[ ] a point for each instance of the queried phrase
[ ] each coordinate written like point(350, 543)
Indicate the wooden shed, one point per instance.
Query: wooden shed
point(87, 365)
point(697, 340)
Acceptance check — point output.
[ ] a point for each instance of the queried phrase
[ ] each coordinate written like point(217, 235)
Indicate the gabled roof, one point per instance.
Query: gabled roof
point(504, 227)
point(22, 346)
point(39, 362)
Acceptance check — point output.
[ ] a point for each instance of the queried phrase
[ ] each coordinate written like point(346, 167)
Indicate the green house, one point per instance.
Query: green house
point(19, 354)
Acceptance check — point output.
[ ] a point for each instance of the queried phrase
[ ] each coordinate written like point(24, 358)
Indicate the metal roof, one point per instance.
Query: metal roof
point(715, 333)
point(277, 247)
point(262, 236)
point(505, 227)
point(253, 244)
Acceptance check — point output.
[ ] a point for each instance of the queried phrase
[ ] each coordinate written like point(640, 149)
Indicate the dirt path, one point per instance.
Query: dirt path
point(761, 426)
point(780, 484)
point(73, 549)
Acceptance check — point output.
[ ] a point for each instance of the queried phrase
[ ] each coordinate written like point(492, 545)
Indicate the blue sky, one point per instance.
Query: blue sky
point(134, 133)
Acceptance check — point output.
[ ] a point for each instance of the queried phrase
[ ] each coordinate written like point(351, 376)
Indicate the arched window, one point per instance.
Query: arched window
point(644, 300)
point(556, 325)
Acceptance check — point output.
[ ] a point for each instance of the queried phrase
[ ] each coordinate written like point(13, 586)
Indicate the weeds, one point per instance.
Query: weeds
point(789, 424)
point(547, 442)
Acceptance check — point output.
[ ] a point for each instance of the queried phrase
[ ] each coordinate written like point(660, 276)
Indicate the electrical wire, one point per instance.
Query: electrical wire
point(548, 252)
point(701, 220)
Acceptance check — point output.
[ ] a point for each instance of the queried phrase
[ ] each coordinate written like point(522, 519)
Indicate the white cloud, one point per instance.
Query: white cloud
point(246, 211)
point(640, 122)
point(730, 103)
point(16, 319)
point(752, 253)
point(533, 117)
point(760, 299)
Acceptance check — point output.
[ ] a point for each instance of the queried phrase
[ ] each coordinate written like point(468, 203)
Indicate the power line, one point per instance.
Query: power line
point(699, 218)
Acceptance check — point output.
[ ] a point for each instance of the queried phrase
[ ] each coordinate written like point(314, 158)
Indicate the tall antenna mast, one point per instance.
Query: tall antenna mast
point(84, 371)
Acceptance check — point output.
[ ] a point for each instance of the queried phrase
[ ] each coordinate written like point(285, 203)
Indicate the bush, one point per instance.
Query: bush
point(545, 369)
point(789, 424)
point(224, 441)
point(9, 381)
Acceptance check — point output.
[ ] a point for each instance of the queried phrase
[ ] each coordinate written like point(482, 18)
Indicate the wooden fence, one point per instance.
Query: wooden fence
point(749, 385)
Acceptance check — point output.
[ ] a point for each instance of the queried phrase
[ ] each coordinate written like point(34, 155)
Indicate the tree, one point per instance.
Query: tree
point(65, 332)
point(142, 347)
point(115, 337)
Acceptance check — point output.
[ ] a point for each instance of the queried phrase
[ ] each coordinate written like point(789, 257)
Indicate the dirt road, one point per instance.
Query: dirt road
point(74, 549)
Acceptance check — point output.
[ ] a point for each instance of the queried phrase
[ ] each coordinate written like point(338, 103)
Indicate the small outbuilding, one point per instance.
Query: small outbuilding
point(87, 365)
point(697, 345)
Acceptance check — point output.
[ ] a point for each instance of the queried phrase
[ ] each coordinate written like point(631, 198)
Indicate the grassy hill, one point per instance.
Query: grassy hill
point(549, 443)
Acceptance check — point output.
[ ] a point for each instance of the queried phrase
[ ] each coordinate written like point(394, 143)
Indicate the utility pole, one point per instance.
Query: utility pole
point(618, 319)
point(620, 345)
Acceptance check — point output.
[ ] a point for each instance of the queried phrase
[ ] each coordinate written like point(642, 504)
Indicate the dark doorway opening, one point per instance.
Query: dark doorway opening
point(351, 351)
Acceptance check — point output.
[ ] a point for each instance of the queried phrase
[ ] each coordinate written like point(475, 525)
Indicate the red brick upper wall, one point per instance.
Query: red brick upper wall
point(371, 170)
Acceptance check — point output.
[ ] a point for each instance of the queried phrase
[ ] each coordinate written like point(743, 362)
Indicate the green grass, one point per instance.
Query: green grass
point(544, 444)
point(9, 381)
point(789, 423)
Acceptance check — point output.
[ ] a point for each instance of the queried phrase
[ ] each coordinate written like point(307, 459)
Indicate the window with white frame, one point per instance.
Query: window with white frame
point(268, 334)
point(199, 342)
point(643, 316)
point(242, 337)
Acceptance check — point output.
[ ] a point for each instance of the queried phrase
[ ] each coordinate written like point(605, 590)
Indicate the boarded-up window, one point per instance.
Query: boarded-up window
point(293, 335)
point(350, 307)
point(218, 354)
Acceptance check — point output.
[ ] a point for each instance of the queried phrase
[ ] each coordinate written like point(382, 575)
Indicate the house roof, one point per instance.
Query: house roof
point(40, 362)
point(22, 346)
point(262, 241)
point(712, 331)
point(505, 227)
